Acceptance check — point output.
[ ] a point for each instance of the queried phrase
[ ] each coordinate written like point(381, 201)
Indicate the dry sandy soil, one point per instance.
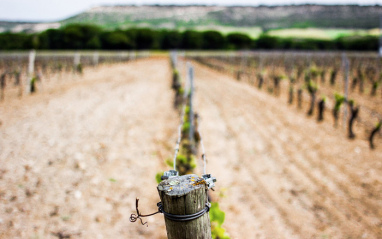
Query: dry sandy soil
point(74, 158)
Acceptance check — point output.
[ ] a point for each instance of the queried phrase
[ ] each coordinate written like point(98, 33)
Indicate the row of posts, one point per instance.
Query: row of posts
point(76, 63)
point(184, 197)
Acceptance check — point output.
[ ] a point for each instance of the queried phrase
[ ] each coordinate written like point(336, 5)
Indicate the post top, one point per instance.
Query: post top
point(181, 185)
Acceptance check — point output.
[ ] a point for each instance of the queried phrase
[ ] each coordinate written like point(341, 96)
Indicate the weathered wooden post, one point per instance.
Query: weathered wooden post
point(95, 58)
point(133, 55)
point(191, 113)
point(299, 98)
point(185, 207)
point(174, 59)
point(354, 110)
point(32, 56)
point(345, 62)
point(373, 133)
point(2, 85)
point(321, 109)
point(380, 37)
point(291, 90)
point(77, 63)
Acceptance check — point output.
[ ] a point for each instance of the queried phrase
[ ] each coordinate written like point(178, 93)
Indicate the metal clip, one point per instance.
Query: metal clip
point(169, 174)
point(208, 204)
point(209, 180)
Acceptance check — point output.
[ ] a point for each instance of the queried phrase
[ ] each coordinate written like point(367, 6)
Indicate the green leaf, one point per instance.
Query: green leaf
point(182, 159)
point(218, 232)
point(216, 214)
point(186, 127)
point(187, 110)
point(170, 162)
point(158, 177)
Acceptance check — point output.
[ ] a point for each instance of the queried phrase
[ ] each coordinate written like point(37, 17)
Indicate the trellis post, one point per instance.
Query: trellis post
point(182, 198)
point(345, 63)
point(95, 58)
point(32, 56)
point(76, 61)
point(191, 112)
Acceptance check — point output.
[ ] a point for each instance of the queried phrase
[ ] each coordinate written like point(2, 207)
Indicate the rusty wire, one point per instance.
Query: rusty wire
point(135, 217)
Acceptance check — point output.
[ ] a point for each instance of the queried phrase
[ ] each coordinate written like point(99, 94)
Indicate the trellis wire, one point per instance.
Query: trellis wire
point(191, 75)
point(190, 87)
point(179, 134)
point(345, 63)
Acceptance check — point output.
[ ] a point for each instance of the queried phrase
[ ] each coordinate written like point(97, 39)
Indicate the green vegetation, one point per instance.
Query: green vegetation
point(217, 218)
point(83, 36)
point(252, 32)
point(339, 100)
point(319, 33)
point(158, 176)
point(312, 89)
point(373, 133)
point(33, 84)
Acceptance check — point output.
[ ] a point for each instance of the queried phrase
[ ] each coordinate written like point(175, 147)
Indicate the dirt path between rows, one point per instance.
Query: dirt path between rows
point(74, 159)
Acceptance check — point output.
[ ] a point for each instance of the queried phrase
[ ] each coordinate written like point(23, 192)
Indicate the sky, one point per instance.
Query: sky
point(54, 10)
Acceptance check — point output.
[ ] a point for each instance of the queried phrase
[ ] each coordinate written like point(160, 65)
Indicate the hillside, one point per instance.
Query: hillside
point(27, 26)
point(266, 17)
point(249, 20)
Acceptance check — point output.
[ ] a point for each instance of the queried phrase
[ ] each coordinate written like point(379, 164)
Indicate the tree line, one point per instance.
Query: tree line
point(83, 36)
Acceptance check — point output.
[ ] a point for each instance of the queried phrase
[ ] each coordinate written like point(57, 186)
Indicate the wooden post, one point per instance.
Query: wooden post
point(299, 98)
point(345, 62)
point(191, 113)
point(380, 36)
point(174, 59)
point(32, 56)
point(133, 55)
point(77, 62)
point(2, 85)
point(95, 58)
point(185, 195)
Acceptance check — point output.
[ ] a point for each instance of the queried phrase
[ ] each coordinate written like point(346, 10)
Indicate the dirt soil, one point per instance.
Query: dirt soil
point(74, 158)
